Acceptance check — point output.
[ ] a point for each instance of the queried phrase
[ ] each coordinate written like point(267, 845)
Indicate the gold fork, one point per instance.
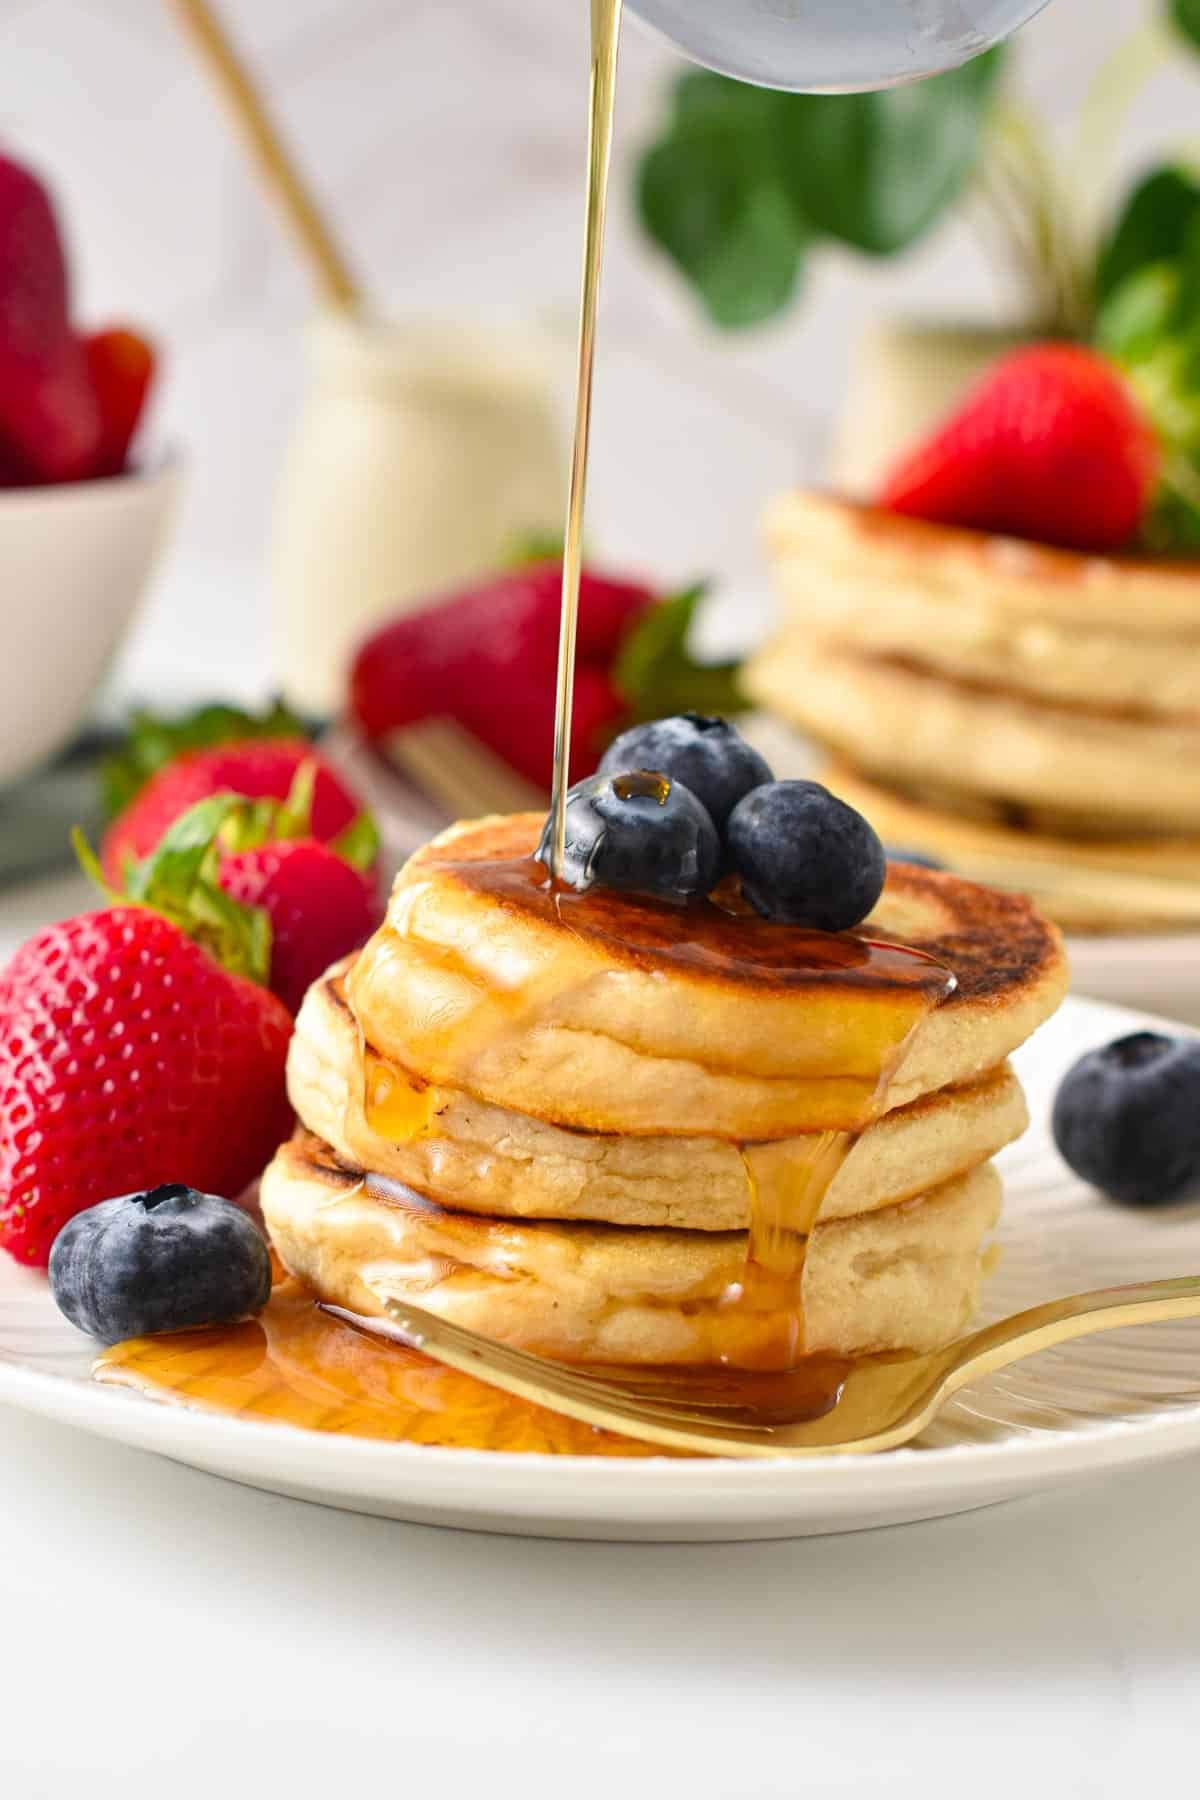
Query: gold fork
point(878, 1404)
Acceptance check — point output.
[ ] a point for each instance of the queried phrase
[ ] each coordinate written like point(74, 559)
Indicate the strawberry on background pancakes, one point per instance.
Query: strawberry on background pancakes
point(992, 667)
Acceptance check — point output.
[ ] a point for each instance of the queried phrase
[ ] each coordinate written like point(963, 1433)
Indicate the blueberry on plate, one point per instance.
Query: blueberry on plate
point(159, 1261)
point(805, 857)
point(707, 755)
point(640, 831)
point(1127, 1118)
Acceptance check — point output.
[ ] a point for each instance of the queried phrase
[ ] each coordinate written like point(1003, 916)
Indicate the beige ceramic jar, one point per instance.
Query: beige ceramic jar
point(422, 451)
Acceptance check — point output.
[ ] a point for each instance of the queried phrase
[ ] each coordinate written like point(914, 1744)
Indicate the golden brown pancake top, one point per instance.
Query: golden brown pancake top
point(991, 942)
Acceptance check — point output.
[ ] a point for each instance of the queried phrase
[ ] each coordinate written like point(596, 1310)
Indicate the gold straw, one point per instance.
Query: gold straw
point(275, 165)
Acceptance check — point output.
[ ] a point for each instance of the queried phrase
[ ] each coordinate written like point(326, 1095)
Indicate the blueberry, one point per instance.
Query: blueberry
point(918, 858)
point(1127, 1118)
point(640, 831)
point(708, 755)
point(159, 1261)
point(805, 857)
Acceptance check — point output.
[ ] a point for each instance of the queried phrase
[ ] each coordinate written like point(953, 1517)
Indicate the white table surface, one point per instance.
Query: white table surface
point(167, 1632)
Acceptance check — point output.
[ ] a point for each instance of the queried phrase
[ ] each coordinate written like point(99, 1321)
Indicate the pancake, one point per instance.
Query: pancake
point(482, 1158)
point(966, 637)
point(903, 1278)
point(620, 1015)
point(1138, 775)
point(816, 538)
point(944, 827)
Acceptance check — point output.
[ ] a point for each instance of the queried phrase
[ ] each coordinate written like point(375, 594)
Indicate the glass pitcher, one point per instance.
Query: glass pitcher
point(833, 46)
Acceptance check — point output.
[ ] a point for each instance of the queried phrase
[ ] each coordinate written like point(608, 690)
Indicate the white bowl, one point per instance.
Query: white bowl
point(74, 562)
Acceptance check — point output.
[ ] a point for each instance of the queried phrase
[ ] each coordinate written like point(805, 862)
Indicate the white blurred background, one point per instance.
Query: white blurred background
point(447, 143)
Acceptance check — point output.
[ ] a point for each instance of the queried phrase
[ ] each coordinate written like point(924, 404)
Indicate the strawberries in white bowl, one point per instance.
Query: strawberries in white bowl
point(79, 524)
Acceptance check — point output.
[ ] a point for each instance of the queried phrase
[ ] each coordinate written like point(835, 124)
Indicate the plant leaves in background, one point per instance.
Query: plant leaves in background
point(1151, 227)
point(1139, 313)
point(741, 180)
point(709, 194)
point(1149, 323)
point(1185, 16)
point(876, 170)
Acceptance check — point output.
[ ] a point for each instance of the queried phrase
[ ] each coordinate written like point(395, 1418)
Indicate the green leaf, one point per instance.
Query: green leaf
point(1173, 528)
point(711, 196)
point(153, 742)
point(1152, 227)
point(358, 844)
point(181, 880)
point(655, 674)
point(1185, 16)
point(876, 170)
point(1137, 315)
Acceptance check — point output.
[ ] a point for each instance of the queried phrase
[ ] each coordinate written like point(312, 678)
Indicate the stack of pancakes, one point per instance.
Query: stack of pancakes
point(994, 697)
point(545, 1119)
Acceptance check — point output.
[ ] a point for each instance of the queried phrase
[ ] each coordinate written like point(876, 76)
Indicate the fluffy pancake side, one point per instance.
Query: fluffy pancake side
point(482, 1158)
point(906, 1277)
point(907, 724)
point(964, 635)
point(820, 533)
point(939, 825)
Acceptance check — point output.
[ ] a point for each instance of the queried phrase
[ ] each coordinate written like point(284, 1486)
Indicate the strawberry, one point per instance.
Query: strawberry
point(49, 418)
point(129, 1057)
point(428, 661)
point(1050, 445)
point(319, 906)
point(239, 872)
point(12, 471)
point(121, 368)
point(487, 657)
point(258, 769)
point(515, 718)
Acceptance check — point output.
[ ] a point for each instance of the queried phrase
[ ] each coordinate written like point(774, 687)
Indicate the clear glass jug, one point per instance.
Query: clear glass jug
point(833, 46)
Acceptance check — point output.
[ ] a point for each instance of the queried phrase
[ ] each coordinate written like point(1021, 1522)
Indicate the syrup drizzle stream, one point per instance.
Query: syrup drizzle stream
point(606, 34)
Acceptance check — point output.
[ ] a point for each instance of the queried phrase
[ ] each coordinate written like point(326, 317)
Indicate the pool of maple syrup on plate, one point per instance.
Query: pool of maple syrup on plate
point(301, 1364)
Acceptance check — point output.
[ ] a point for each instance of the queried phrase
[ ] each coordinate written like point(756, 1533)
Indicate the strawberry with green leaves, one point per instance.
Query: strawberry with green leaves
point(147, 1043)
point(301, 903)
point(168, 766)
point(138, 1045)
point(1050, 445)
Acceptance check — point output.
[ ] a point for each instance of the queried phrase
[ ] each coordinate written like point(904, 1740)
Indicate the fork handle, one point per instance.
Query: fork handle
point(1082, 1315)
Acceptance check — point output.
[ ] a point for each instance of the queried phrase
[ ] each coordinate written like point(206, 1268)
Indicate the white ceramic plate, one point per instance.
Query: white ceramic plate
point(1130, 1397)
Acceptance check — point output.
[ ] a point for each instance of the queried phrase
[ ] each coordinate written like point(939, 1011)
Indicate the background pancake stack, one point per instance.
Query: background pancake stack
point(539, 1126)
point(994, 697)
